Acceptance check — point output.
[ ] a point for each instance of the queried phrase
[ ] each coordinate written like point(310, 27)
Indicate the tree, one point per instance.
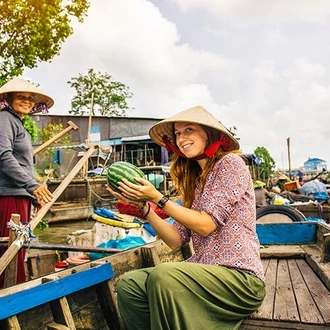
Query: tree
point(31, 127)
point(34, 30)
point(109, 97)
point(267, 164)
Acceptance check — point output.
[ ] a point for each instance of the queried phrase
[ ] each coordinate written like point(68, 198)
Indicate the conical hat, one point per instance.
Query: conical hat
point(197, 115)
point(21, 85)
point(259, 184)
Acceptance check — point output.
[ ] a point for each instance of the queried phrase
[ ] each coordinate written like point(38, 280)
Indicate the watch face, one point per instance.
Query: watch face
point(162, 202)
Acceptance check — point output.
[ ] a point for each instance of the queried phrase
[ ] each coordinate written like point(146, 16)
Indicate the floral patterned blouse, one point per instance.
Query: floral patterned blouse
point(228, 196)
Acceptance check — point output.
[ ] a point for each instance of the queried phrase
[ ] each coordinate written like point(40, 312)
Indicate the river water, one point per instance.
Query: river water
point(57, 233)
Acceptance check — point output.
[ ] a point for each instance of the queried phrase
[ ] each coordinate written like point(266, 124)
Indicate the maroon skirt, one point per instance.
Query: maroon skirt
point(19, 205)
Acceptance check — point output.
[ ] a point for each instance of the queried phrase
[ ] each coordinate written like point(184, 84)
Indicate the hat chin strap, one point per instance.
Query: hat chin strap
point(209, 151)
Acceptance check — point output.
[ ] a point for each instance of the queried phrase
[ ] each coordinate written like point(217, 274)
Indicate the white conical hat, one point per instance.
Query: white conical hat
point(21, 85)
point(197, 115)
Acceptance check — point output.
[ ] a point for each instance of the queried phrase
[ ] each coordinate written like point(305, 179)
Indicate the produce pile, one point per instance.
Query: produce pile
point(126, 208)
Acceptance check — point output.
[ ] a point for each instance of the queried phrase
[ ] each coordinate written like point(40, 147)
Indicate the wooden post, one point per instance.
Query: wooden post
point(18, 243)
point(87, 141)
point(11, 270)
point(289, 157)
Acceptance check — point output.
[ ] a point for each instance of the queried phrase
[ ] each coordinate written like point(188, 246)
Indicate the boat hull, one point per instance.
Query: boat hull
point(84, 297)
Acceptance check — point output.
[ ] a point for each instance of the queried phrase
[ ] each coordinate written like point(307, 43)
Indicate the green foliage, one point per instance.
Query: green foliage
point(109, 97)
point(41, 226)
point(31, 126)
point(34, 30)
point(267, 165)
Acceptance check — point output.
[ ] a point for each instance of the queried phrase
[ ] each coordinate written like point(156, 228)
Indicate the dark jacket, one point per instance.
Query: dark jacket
point(16, 157)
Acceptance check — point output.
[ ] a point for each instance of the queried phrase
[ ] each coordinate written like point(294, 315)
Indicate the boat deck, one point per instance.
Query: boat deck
point(296, 298)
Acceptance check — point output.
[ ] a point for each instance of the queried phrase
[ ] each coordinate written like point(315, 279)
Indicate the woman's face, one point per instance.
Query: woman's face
point(190, 138)
point(22, 103)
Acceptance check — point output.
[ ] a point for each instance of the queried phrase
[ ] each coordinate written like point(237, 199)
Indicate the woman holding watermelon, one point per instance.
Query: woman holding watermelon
point(223, 281)
point(18, 97)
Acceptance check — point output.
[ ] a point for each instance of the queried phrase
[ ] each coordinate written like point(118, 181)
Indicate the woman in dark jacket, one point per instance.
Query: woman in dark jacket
point(18, 185)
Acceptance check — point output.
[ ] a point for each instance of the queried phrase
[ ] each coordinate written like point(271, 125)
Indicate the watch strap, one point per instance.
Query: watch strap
point(163, 201)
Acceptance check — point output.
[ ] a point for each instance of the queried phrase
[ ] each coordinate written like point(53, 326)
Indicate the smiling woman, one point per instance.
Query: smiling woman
point(223, 281)
point(18, 97)
point(22, 103)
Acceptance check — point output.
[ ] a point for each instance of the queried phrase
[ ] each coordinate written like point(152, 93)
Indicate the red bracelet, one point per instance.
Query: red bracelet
point(145, 215)
point(141, 210)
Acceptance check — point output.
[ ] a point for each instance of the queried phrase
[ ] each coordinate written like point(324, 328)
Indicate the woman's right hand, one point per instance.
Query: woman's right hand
point(43, 195)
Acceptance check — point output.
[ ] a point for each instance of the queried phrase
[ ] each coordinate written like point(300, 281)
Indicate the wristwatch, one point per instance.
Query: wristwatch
point(163, 201)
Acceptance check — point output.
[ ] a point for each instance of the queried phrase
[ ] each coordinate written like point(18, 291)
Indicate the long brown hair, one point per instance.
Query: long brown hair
point(186, 172)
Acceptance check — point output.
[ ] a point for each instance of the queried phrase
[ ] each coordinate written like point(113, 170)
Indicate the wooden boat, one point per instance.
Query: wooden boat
point(314, 210)
point(296, 259)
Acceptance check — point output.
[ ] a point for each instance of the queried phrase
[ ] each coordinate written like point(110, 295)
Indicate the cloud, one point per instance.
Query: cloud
point(260, 67)
point(254, 12)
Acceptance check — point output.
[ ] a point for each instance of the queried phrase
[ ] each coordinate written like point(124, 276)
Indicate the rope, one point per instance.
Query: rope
point(21, 230)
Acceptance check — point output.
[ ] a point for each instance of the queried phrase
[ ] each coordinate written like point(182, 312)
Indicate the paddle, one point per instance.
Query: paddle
point(20, 240)
point(64, 247)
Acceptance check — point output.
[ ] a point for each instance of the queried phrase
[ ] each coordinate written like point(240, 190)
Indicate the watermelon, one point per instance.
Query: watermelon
point(122, 170)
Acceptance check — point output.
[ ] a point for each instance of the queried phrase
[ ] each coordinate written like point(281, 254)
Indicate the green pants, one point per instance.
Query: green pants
point(188, 296)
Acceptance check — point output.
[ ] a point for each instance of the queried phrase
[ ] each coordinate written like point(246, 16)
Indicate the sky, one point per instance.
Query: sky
point(261, 67)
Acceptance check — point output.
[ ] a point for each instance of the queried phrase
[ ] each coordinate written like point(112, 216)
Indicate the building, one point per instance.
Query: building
point(312, 167)
point(119, 138)
point(315, 164)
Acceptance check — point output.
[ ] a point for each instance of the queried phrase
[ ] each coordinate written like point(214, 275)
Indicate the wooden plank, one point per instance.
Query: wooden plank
point(86, 310)
point(319, 293)
point(307, 309)
point(31, 297)
point(11, 323)
point(284, 306)
point(282, 251)
point(62, 313)
point(249, 324)
point(266, 309)
point(11, 270)
point(325, 257)
point(322, 270)
point(150, 256)
point(56, 326)
point(107, 295)
point(36, 318)
point(265, 264)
